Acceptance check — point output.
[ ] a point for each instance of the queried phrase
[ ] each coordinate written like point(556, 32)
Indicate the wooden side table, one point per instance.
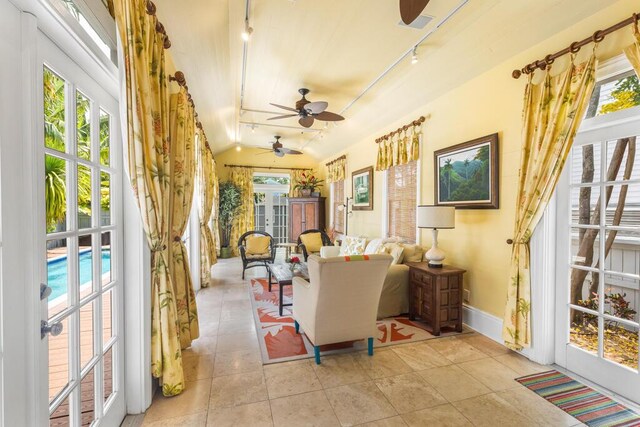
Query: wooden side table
point(435, 296)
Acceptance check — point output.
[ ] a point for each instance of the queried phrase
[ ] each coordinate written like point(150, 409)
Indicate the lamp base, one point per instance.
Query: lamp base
point(434, 265)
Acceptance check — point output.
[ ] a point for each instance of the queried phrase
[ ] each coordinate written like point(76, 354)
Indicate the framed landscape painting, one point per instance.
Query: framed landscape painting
point(466, 175)
point(362, 189)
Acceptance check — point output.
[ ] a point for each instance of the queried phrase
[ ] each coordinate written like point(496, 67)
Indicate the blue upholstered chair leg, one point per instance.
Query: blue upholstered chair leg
point(370, 346)
point(297, 325)
point(316, 351)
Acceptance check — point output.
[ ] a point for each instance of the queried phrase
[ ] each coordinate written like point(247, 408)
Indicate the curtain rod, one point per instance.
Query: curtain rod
point(151, 10)
point(574, 47)
point(344, 156)
point(418, 122)
point(267, 167)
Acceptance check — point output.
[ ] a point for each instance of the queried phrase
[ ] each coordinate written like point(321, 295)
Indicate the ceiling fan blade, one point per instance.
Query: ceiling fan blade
point(328, 116)
point(279, 153)
point(282, 117)
point(283, 107)
point(411, 9)
point(265, 152)
point(316, 107)
point(306, 121)
point(290, 151)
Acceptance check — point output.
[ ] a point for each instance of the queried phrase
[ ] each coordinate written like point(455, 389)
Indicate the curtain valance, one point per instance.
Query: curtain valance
point(337, 170)
point(399, 149)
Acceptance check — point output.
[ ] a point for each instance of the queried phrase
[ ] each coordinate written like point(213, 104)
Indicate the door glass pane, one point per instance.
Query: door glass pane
point(60, 417)
point(614, 94)
point(584, 288)
point(584, 330)
point(59, 360)
point(54, 110)
point(622, 297)
point(624, 205)
point(87, 398)
point(585, 164)
point(85, 265)
point(107, 317)
point(621, 344)
point(583, 205)
point(622, 250)
point(83, 130)
point(105, 198)
point(84, 197)
point(105, 138)
point(106, 258)
point(107, 369)
point(55, 193)
point(86, 333)
point(57, 275)
point(585, 247)
point(620, 148)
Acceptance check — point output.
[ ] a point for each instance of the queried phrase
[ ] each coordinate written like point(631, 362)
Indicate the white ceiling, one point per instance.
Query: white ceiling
point(338, 48)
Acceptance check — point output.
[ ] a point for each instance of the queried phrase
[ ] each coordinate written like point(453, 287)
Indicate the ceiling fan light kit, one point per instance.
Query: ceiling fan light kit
point(308, 112)
point(279, 150)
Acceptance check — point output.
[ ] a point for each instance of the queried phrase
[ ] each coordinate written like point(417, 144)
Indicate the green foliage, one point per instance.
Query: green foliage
point(625, 95)
point(466, 180)
point(258, 179)
point(228, 207)
point(616, 305)
point(308, 181)
point(55, 189)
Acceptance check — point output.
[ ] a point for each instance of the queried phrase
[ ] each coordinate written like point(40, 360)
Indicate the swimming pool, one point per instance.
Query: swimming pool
point(57, 270)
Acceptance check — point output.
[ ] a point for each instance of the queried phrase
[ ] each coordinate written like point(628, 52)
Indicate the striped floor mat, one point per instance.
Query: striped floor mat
point(582, 402)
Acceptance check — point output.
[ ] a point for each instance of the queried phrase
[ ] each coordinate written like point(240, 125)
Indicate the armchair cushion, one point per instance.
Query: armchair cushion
point(312, 241)
point(257, 245)
point(329, 251)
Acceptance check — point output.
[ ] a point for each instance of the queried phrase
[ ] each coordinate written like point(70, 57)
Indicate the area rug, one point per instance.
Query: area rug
point(280, 343)
point(583, 403)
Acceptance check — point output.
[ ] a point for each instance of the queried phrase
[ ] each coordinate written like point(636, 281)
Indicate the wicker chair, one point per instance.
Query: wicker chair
point(326, 241)
point(251, 261)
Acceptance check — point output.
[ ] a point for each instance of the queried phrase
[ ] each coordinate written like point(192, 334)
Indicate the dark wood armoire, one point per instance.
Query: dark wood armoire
point(305, 213)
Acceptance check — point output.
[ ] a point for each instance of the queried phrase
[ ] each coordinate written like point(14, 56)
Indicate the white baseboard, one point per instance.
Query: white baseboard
point(483, 322)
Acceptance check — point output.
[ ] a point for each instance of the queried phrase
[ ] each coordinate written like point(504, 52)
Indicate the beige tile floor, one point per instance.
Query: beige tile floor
point(455, 381)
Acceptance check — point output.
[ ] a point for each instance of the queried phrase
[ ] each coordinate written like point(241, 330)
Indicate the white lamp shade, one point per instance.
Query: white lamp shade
point(428, 216)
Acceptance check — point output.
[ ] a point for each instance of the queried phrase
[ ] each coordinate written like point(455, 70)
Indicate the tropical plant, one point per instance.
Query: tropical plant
point(55, 189)
point(625, 95)
point(228, 208)
point(308, 181)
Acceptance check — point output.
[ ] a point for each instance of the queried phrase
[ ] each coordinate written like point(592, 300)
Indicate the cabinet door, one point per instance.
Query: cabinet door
point(310, 216)
point(296, 224)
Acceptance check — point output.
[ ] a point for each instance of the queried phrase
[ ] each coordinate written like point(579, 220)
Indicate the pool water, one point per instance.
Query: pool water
point(57, 271)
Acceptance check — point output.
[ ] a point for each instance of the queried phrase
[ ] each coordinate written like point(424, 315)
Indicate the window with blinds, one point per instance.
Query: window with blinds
point(337, 198)
point(402, 186)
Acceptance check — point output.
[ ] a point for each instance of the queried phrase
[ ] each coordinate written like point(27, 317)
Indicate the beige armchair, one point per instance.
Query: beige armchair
point(340, 301)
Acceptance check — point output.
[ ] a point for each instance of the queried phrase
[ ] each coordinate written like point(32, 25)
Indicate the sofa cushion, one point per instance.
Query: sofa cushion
point(311, 241)
point(412, 253)
point(373, 246)
point(353, 245)
point(257, 245)
point(396, 251)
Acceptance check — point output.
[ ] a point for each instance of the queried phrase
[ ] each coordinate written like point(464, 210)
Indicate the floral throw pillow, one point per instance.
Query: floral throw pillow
point(353, 245)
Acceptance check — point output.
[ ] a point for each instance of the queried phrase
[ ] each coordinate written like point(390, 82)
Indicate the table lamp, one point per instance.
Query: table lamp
point(435, 217)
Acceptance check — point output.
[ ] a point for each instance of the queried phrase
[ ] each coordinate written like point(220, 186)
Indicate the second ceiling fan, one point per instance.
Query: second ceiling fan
point(308, 111)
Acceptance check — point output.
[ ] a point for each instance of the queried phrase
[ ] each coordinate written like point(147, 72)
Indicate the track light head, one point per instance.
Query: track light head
point(414, 56)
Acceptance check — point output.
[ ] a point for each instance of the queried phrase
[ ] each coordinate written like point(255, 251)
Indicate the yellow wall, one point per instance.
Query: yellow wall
point(492, 102)
point(255, 156)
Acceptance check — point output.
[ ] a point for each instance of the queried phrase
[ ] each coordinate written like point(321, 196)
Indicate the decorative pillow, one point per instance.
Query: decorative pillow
point(257, 245)
point(382, 249)
point(396, 251)
point(412, 253)
point(353, 245)
point(311, 241)
point(373, 246)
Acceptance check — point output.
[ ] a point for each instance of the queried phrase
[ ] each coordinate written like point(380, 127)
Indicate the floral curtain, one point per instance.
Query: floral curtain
point(399, 149)
point(633, 51)
point(553, 110)
point(207, 180)
point(337, 170)
point(215, 228)
point(148, 154)
point(296, 177)
point(243, 222)
point(183, 148)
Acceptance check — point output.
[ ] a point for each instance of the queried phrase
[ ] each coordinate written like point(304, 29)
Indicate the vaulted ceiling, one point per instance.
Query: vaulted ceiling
point(343, 51)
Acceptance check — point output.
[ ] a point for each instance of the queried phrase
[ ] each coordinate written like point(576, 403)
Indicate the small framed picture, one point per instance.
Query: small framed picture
point(362, 189)
point(466, 175)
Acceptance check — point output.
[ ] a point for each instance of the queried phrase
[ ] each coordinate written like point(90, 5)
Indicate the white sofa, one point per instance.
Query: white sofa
point(340, 300)
point(394, 299)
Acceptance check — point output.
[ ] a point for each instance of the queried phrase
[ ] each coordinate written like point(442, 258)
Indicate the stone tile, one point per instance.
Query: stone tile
point(520, 364)
point(484, 344)
point(193, 420)
point(383, 363)
point(202, 345)
point(456, 350)
point(237, 342)
point(409, 392)
point(308, 409)
point(440, 416)
point(237, 362)
point(454, 383)
point(491, 410)
point(239, 389)
point(253, 414)
point(537, 408)
point(339, 369)
point(359, 403)
point(289, 378)
point(197, 367)
point(491, 373)
point(236, 316)
point(396, 421)
point(208, 328)
point(420, 356)
point(236, 293)
point(194, 399)
point(244, 325)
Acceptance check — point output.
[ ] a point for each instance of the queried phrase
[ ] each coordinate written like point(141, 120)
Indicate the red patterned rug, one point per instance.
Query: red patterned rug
point(280, 343)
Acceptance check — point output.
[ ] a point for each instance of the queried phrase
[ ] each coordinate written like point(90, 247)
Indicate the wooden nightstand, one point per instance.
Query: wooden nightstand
point(435, 295)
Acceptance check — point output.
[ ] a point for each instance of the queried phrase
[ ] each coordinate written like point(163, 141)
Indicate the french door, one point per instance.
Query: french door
point(271, 212)
point(78, 226)
point(599, 254)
